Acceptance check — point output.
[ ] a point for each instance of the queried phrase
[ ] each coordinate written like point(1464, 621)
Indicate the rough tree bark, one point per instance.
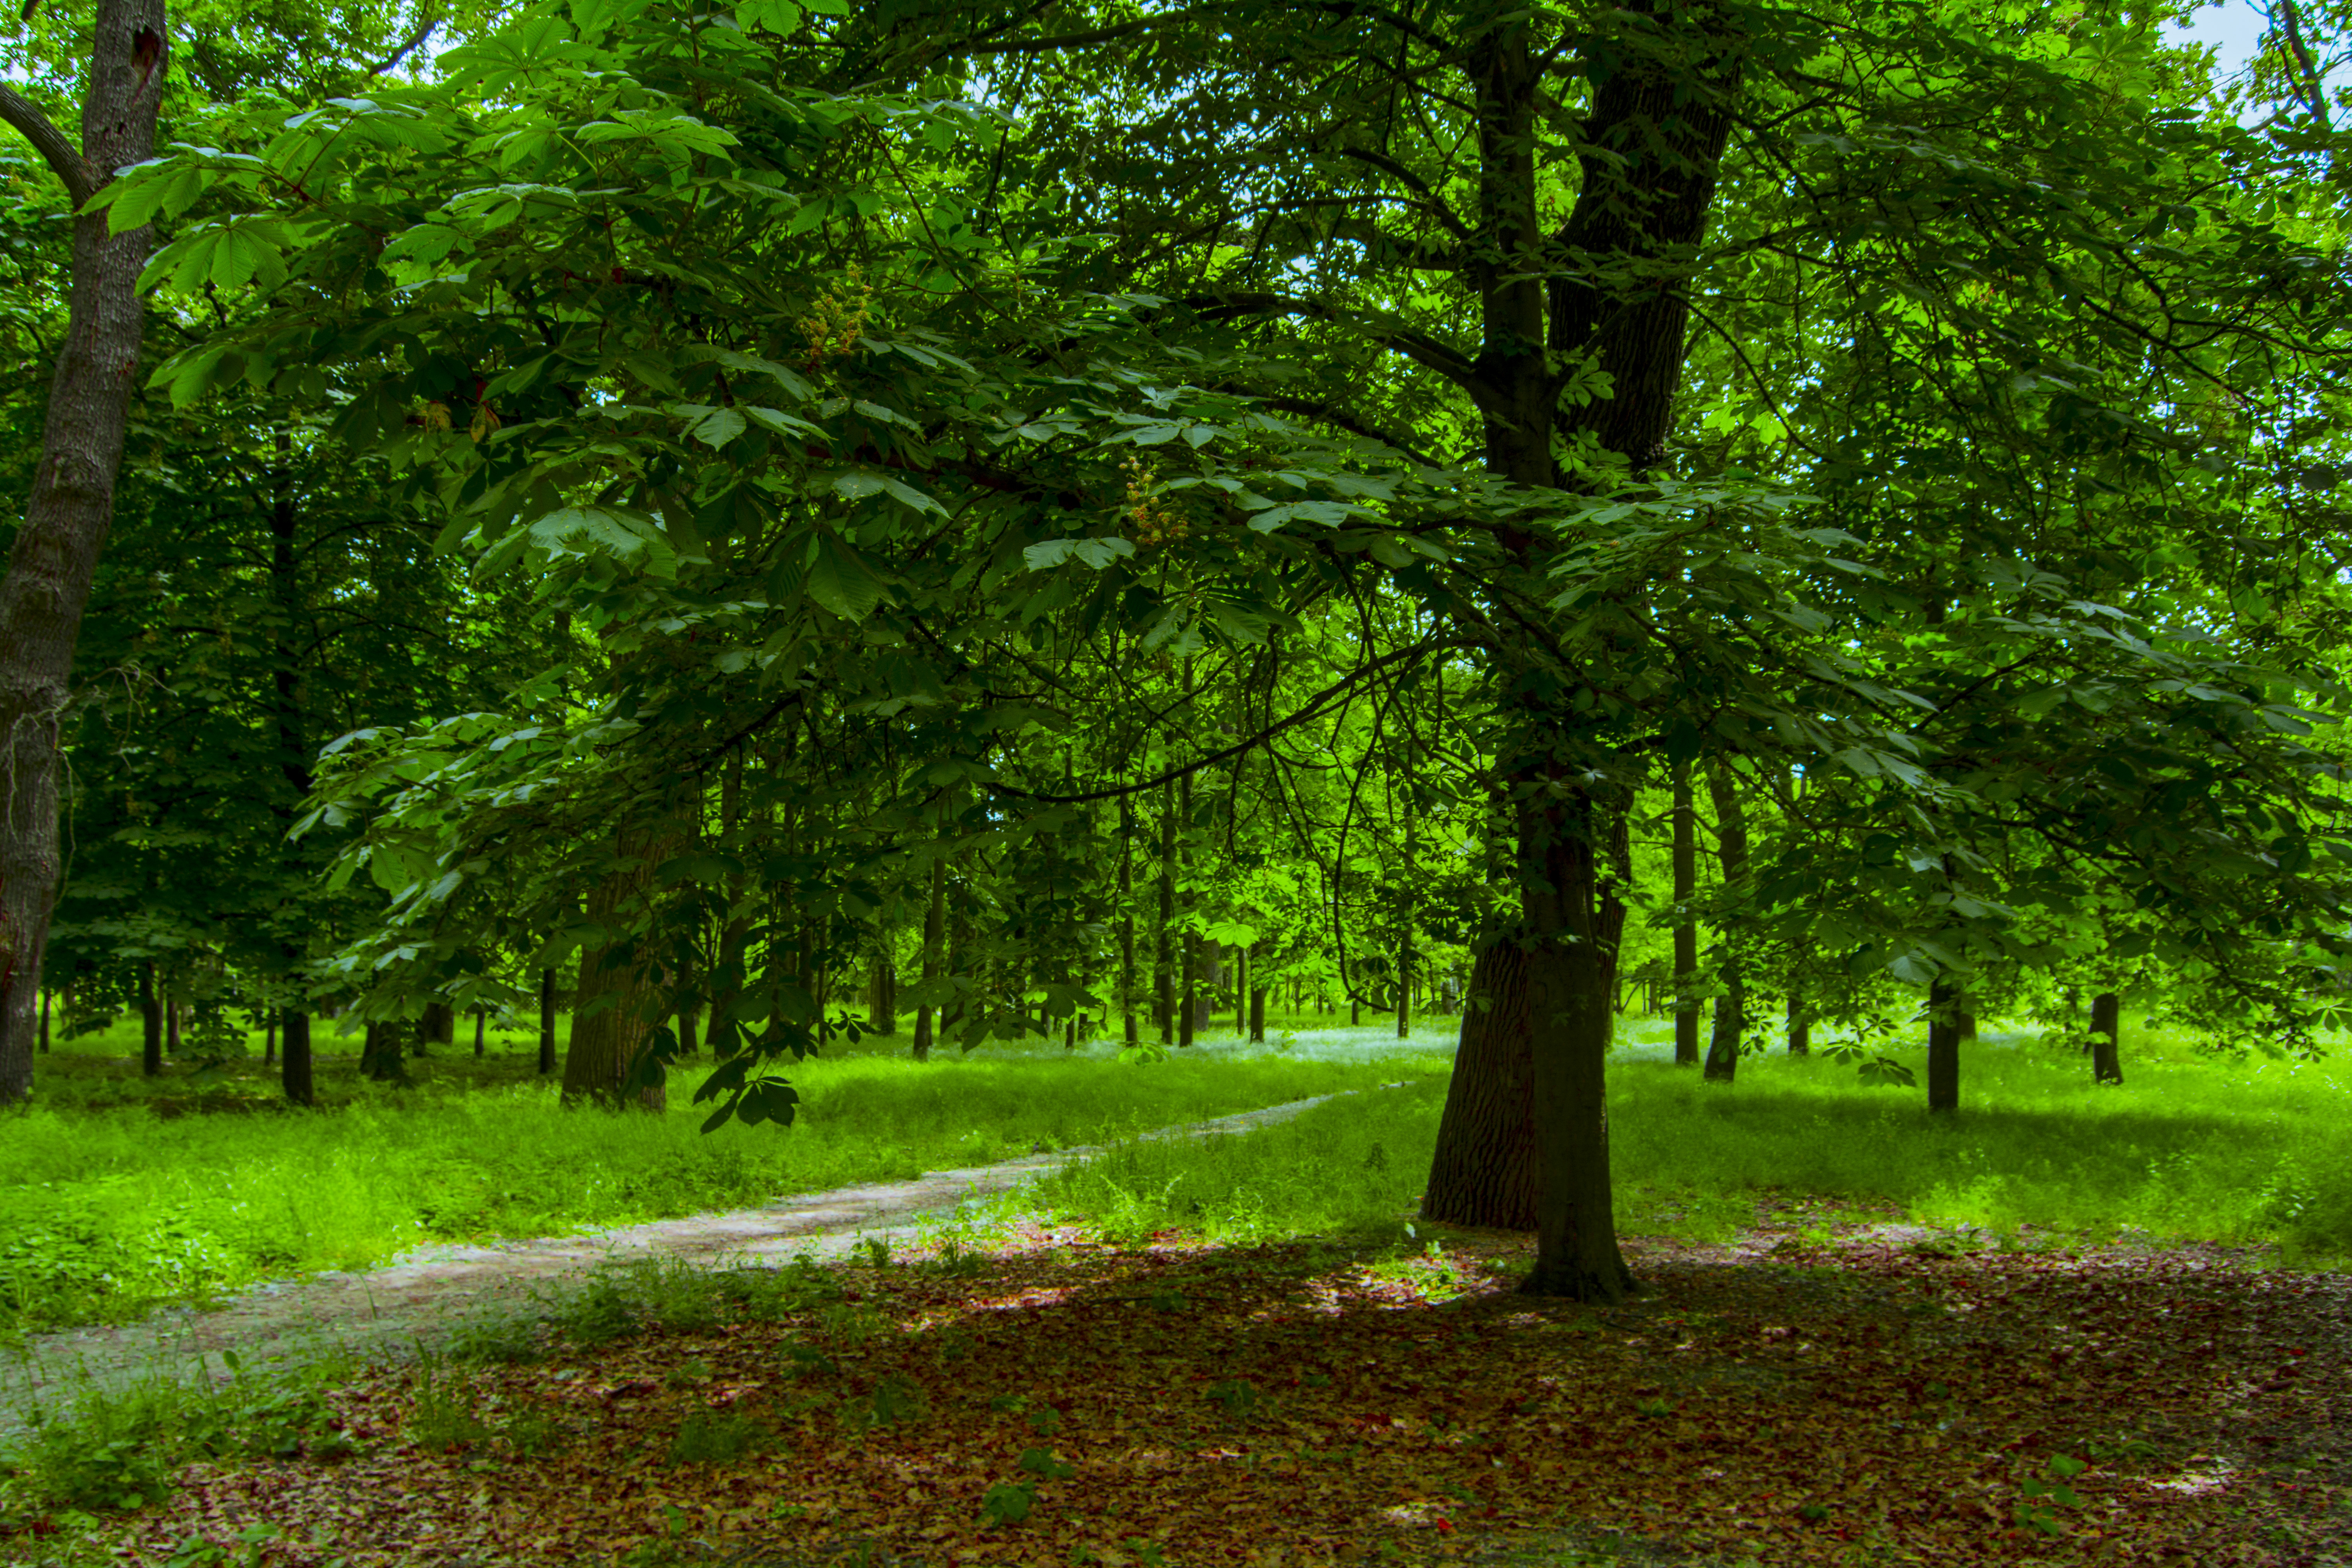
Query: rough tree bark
point(612, 1020)
point(1485, 1173)
point(71, 505)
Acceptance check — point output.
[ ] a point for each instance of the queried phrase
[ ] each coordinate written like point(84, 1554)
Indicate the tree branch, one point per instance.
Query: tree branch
point(1427, 351)
point(408, 46)
point(56, 148)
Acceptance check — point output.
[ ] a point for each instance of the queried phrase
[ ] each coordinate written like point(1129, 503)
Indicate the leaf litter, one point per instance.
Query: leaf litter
point(1792, 1397)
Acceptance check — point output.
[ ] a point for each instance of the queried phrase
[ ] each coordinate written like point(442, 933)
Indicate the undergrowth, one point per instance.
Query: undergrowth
point(108, 1209)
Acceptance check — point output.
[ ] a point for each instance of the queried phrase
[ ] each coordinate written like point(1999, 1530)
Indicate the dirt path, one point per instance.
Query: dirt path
point(430, 1293)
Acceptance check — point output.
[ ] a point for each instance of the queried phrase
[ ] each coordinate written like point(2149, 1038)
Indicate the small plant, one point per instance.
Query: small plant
point(876, 1249)
point(528, 1434)
point(719, 1438)
point(954, 1262)
point(1653, 1408)
point(1235, 1397)
point(1008, 1403)
point(440, 1419)
point(1045, 1421)
point(893, 1401)
point(852, 1324)
point(807, 1361)
point(691, 1372)
point(2038, 1508)
point(502, 1343)
point(1165, 1301)
point(1046, 1465)
point(1002, 1504)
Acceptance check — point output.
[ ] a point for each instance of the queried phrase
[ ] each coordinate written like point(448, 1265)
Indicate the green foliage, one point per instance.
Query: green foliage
point(120, 1449)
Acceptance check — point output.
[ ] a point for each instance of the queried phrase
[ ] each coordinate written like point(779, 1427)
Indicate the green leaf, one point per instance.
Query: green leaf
point(714, 427)
point(841, 581)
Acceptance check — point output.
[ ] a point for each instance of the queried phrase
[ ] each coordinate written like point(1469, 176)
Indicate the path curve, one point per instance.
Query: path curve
point(427, 1295)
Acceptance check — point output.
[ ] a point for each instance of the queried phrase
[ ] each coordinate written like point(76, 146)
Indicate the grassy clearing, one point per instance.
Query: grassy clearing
point(2191, 1146)
point(116, 1194)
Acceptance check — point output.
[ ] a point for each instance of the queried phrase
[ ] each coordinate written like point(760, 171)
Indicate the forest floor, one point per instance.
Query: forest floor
point(884, 1384)
point(445, 1291)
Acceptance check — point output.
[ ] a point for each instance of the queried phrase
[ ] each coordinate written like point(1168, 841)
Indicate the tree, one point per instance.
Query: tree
point(54, 557)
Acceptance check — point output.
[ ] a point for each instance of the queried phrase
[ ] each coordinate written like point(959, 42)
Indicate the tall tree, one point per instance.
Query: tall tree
point(54, 558)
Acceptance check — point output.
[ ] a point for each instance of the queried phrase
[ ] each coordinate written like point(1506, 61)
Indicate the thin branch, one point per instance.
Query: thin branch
point(1314, 706)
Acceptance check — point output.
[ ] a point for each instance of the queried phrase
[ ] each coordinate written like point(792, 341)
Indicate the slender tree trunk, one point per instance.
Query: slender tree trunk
point(1257, 1001)
point(269, 1036)
point(1731, 1006)
point(1190, 1022)
point(935, 914)
point(44, 1020)
point(1164, 968)
point(546, 1021)
point(1685, 864)
point(70, 504)
point(1486, 1172)
point(1127, 1032)
point(1944, 1030)
point(1800, 1027)
point(294, 1056)
point(2106, 1028)
point(481, 1026)
point(150, 1022)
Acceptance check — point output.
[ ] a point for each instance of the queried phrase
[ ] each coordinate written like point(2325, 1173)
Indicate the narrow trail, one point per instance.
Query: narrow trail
point(424, 1297)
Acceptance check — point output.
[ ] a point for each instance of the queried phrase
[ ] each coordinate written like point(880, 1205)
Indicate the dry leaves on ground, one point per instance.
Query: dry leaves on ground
point(1777, 1400)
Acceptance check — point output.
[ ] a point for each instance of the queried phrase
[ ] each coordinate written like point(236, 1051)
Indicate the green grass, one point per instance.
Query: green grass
point(118, 1193)
point(2191, 1146)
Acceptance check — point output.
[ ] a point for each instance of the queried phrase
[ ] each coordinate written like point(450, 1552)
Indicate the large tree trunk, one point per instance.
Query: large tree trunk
point(1655, 132)
point(1575, 917)
point(1485, 1171)
point(1731, 1006)
point(2106, 1026)
point(613, 1017)
point(54, 560)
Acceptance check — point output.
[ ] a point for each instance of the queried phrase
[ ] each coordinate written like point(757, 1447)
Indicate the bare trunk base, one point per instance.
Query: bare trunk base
point(1485, 1171)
